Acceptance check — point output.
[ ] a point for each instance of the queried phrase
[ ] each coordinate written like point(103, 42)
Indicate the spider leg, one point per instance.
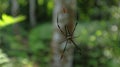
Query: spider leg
point(66, 30)
point(59, 27)
point(74, 27)
point(77, 16)
point(64, 50)
point(75, 45)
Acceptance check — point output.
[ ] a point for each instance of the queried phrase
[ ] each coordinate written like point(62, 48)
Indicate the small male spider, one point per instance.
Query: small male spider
point(68, 36)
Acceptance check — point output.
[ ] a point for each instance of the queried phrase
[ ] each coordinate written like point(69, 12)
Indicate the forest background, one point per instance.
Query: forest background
point(28, 43)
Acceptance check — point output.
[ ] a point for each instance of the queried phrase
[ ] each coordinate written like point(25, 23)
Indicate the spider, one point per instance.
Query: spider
point(68, 36)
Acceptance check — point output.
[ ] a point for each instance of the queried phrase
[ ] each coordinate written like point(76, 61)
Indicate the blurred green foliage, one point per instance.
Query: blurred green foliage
point(40, 43)
point(98, 31)
point(4, 6)
point(4, 60)
point(99, 44)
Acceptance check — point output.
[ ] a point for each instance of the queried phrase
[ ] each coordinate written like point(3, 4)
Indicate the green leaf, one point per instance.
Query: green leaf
point(7, 20)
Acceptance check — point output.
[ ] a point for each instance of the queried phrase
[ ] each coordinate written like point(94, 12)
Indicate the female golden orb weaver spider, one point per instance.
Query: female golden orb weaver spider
point(68, 36)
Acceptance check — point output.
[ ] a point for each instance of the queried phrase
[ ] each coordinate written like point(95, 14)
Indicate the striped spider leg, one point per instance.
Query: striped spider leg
point(68, 36)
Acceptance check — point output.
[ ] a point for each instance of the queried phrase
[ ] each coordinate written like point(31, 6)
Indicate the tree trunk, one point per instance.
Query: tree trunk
point(32, 7)
point(14, 12)
point(65, 11)
point(14, 7)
